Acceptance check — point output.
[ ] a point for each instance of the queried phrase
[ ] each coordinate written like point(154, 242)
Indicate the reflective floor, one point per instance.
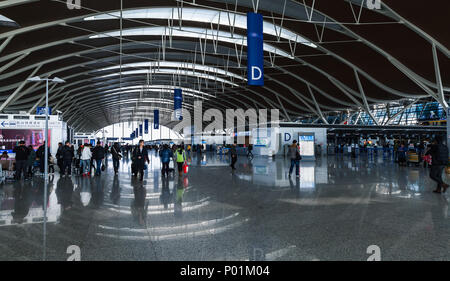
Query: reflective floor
point(335, 210)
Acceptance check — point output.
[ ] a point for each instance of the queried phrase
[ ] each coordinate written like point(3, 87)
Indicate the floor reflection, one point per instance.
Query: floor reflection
point(256, 213)
point(261, 172)
point(22, 203)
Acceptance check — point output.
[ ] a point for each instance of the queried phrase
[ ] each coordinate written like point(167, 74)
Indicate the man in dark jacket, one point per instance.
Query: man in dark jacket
point(439, 159)
point(116, 156)
point(140, 156)
point(22, 153)
point(233, 154)
point(40, 153)
point(59, 157)
point(67, 156)
point(98, 154)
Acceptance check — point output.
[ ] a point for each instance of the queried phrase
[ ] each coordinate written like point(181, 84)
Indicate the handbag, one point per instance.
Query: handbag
point(298, 157)
point(185, 168)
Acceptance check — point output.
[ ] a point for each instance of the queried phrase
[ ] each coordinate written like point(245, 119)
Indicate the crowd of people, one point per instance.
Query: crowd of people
point(88, 157)
point(26, 158)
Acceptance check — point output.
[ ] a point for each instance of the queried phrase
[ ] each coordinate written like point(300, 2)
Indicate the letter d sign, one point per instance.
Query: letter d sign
point(256, 73)
point(255, 50)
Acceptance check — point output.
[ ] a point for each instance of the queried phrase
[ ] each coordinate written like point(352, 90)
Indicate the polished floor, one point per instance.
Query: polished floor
point(335, 210)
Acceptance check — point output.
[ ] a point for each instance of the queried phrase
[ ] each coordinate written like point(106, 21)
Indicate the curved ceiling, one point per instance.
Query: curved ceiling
point(121, 59)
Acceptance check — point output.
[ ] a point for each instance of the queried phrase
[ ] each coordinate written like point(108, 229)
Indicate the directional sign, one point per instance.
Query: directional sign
point(41, 111)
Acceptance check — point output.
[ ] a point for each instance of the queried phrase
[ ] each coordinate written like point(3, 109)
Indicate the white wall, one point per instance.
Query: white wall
point(288, 134)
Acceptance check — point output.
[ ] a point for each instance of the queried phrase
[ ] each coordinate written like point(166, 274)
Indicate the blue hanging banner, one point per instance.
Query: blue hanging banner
point(156, 119)
point(146, 126)
point(141, 131)
point(178, 104)
point(255, 50)
point(136, 132)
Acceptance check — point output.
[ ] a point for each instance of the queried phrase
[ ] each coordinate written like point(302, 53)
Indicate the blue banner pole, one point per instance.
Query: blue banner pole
point(255, 50)
point(178, 104)
point(146, 126)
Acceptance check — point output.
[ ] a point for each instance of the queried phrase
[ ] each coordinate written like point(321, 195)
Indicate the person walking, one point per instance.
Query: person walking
point(439, 159)
point(165, 154)
point(98, 154)
point(106, 154)
point(401, 155)
point(59, 157)
point(294, 155)
point(40, 153)
point(233, 153)
point(249, 151)
point(85, 160)
point(22, 154)
point(68, 153)
point(180, 155)
point(31, 160)
point(116, 156)
point(140, 155)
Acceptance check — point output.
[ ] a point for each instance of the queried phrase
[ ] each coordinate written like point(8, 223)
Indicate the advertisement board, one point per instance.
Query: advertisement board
point(9, 138)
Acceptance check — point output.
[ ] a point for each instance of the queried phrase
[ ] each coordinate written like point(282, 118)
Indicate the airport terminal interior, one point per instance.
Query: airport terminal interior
point(224, 130)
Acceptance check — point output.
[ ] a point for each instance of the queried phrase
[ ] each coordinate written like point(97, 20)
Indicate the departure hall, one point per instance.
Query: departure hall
point(224, 130)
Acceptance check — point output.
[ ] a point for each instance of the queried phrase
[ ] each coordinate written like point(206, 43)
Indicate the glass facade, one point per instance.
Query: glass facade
point(430, 113)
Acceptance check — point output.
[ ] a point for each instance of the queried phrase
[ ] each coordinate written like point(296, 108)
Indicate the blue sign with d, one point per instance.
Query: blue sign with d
point(255, 50)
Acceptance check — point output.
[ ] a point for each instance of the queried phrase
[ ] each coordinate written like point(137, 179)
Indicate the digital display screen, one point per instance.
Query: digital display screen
point(9, 138)
point(306, 143)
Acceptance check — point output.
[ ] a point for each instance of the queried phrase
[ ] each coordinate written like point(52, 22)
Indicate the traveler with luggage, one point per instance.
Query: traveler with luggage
point(439, 159)
point(165, 154)
point(180, 156)
point(294, 155)
point(140, 156)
